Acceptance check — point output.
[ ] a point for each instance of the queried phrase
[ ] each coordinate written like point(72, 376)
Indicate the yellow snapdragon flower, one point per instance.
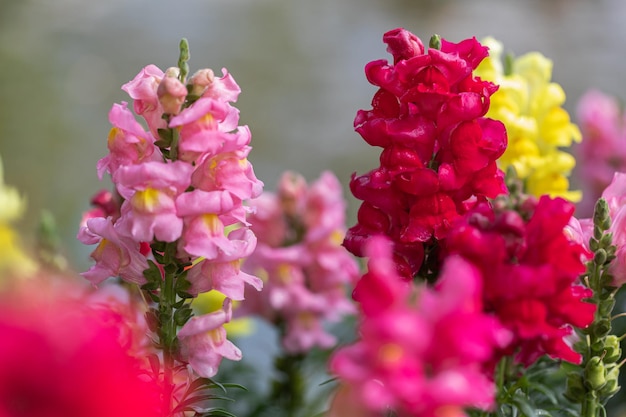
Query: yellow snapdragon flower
point(530, 106)
point(13, 260)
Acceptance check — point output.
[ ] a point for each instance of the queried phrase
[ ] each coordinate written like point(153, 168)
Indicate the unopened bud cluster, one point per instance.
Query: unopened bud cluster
point(597, 379)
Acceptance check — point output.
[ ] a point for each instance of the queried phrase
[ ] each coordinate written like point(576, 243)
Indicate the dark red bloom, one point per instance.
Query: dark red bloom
point(530, 272)
point(439, 150)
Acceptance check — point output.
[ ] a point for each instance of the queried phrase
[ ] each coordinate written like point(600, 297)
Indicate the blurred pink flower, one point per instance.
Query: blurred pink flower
point(601, 152)
point(66, 353)
point(306, 270)
point(615, 196)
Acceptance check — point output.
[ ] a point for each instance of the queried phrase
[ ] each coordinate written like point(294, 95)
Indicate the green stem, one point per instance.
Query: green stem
point(167, 337)
point(590, 406)
point(288, 388)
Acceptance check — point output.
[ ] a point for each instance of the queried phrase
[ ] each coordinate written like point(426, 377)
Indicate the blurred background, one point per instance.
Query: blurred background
point(299, 64)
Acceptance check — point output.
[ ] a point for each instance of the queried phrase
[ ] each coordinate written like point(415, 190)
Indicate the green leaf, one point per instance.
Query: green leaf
point(524, 406)
point(219, 412)
point(545, 390)
point(165, 136)
point(153, 273)
point(182, 315)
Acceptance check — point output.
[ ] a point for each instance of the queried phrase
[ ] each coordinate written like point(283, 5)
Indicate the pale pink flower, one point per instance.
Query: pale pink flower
point(204, 83)
point(223, 88)
point(228, 171)
point(205, 128)
point(128, 142)
point(143, 90)
point(116, 254)
point(150, 190)
point(206, 214)
point(223, 273)
point(203, 341)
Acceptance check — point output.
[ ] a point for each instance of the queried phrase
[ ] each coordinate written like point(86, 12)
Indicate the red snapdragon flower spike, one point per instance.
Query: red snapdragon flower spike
point(439, 150)
point(530, 271)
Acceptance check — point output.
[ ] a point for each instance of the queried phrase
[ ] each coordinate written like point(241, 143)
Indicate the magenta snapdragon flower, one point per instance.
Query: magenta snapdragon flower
point(408, 357)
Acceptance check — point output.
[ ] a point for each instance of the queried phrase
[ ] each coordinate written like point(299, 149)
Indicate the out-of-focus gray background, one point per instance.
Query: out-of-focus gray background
point(299, 64)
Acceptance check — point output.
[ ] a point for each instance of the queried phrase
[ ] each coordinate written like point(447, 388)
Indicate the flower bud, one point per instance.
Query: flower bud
point(595, 373)
point(435, 42)
point(171, 93)
point(612, 348)
point(601, 328)
point(600, 256)
point(606, 240)
point(605, 307)
point(200, 81)
point(612, 383)
point(601, 212)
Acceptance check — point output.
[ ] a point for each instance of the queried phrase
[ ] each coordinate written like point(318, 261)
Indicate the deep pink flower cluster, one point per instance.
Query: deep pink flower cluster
point(184, 180)
point(300, 228)
point(530, 272)
point(602, 152)
point(439, 150)
point(69, 354)
point(422, 351)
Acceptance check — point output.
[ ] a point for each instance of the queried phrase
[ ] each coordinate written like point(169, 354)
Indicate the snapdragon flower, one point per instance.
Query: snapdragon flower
point(602, 151)
point(179, 227)
point(305, 269)
point(539, 130)
point(409, 357)
point(530, 268)
point(439, 150)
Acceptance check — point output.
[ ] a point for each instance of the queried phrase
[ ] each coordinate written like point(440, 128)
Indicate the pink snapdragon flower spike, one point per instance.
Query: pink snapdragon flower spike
point(439, 149)
point(408, 358)
point(306, 271)
point(180, 227)
point(203, 341)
